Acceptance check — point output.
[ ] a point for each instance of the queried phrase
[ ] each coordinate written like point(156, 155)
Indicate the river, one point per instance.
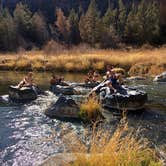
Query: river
point(27, 136)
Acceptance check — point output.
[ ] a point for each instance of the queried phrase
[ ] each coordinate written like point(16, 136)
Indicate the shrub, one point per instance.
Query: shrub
point(90, 111)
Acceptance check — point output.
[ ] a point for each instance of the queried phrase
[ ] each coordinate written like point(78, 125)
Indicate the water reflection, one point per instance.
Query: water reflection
point(8, 78)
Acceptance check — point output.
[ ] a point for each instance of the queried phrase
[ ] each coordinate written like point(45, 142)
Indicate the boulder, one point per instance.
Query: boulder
point(160, 78)
point(64, 108)
point(23, 94)
point(124, 99)
point(64, 90)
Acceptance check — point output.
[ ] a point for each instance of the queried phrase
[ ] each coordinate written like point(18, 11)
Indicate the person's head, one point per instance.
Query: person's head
point(30, 74)
point(96, 73)
point(90, 72)
point(54, 76)
point(112, 72)
point(61, 78)
point(109, 67)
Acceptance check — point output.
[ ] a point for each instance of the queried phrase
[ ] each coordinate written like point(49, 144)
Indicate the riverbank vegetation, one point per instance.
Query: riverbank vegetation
point(81, 59)
point(81, 36)
point(91, 111)
point(110, 24)
point(122, 148)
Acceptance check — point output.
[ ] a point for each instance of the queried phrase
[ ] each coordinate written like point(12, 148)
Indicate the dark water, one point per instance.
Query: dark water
point(27, 136)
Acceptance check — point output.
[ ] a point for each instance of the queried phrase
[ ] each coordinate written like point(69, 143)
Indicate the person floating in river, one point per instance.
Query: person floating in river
point(57, 81)
point(92, 77)
point(54, 80)
point(27, 81)
point(96, 76)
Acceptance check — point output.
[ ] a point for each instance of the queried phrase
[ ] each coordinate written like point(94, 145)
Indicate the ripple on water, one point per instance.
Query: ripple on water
point(27, 136)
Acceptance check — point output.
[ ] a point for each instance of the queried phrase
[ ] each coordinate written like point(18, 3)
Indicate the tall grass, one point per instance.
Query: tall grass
point(90, 111)
point(121, 149)
point(81, 61)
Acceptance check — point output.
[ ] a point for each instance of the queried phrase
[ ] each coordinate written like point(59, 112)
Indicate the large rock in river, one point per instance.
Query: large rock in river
point(125, 99)
point(23, 94)
point(64, 108)
point(160, 78)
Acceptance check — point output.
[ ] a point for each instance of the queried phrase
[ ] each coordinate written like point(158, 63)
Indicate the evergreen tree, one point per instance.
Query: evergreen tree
point(8, 36)
point(39, 26)
point(109, 37)
point(152, 29)
point(131, 32)
point(74, 27)
point(121, 20)
point(90, 25)
point(22, 18)
point(110, 17)
point(148, 16)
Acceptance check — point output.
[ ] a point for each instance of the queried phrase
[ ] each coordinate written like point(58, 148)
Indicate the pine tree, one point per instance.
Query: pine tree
point(74, 27)
point(90, 25)
point(131, 32)
point(23, 20)
point(122, 15)
point(40, 32)
point(8, 36)
point(109, 37)
point(152, 29)
point(110, 17)
point(148, 18)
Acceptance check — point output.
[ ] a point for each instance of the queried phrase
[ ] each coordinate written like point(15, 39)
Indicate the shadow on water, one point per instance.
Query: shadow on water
point(27, 136)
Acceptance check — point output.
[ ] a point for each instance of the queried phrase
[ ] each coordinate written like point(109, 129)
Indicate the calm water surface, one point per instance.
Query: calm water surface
point(27, 136)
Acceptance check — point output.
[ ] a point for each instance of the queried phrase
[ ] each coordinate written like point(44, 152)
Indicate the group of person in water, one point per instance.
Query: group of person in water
point(111, 79)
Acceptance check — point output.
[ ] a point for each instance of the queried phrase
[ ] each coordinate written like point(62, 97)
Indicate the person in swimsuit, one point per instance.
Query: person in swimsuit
point(27, 81)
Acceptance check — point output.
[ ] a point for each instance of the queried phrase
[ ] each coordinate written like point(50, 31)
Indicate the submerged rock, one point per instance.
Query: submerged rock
point(23, 94)
point(125, 99)
point(64, 108)
point(160, 78)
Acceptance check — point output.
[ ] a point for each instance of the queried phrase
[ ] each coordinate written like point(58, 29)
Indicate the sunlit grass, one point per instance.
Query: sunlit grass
point(120, 149)
point(90, 111)
point(75, 61)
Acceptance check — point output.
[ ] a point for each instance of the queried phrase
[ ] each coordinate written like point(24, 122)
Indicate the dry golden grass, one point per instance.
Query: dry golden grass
point(90, 111)
point(121, 149)
point(97, 59)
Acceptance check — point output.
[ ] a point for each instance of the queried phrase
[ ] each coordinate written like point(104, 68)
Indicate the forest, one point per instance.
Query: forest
point(100, 24)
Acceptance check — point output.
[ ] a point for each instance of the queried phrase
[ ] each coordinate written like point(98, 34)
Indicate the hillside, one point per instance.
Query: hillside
point(102, 24)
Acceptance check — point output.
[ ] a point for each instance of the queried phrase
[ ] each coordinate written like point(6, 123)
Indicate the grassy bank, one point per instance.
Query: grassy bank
point(139, 61)
point(120, 149)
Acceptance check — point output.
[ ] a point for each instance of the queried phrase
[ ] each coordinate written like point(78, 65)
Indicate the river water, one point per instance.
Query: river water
point(27, 136)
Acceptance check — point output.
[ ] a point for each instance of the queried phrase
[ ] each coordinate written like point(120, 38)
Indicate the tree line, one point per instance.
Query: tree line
point(133, 24)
